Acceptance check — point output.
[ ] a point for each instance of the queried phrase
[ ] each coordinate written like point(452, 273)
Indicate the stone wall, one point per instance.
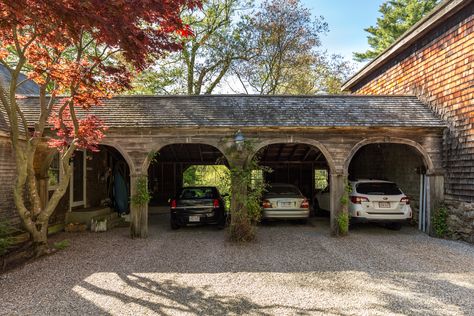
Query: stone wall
point(439, 69)
point(461, 220)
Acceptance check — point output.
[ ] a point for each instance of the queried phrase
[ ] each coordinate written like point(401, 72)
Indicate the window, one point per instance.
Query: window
point(53, 172)
point(256, 178)
point(198, 193)
point(378, 188)
point(320, 179)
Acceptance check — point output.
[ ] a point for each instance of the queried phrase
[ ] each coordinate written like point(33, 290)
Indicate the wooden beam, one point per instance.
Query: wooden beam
point(280, 150)
point(175, 156)
point(310, 149)
point(292, 154)
point(200, 152)
point(319, 156)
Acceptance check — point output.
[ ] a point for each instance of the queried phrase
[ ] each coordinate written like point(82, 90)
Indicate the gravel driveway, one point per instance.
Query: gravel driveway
point(292, 269)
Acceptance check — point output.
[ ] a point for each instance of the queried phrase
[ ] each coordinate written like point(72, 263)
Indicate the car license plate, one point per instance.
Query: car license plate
point(285, 203)
point(384, 204)
point(194, 218)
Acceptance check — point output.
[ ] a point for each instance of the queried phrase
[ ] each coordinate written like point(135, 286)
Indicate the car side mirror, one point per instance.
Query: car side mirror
point(225, 195)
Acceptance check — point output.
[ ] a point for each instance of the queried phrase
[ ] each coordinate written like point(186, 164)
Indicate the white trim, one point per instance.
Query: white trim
point(84, 185)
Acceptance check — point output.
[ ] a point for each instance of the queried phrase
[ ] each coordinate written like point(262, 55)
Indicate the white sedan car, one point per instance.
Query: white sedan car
point(285, 201)
point(378, 200)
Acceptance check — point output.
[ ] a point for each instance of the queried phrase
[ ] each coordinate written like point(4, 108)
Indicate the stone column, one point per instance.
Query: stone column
point(238, 189)
point(138, 213)
point(337, 187)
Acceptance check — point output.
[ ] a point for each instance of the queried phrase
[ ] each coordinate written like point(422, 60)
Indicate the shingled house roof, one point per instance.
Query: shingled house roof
point(28, 87)
point(258, 111)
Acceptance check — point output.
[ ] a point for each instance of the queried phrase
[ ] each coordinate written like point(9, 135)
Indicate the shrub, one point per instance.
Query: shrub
point(63, 244)
point(6, 240)
point(343, 223)
point(440, 221)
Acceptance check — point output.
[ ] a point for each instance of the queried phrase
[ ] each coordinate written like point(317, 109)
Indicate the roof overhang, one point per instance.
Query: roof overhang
point(439, 14)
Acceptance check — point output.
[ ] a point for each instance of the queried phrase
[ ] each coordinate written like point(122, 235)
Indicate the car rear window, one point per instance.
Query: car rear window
point(284, 190)
point(378, 188)
point(197, 193)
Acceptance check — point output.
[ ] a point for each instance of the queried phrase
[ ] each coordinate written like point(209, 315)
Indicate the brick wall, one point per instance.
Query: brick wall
point(7, 177)
point(439, 68)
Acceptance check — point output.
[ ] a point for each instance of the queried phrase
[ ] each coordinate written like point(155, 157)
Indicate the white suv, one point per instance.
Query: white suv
point(378, 200)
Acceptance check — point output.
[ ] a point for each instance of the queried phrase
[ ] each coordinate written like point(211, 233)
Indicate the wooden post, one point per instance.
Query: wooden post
point(138, 213)
point(435, 197)
point(337, 190)
point(237, 187)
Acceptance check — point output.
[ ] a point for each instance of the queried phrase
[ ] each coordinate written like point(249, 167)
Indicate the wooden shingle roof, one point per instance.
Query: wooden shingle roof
point(259, 111)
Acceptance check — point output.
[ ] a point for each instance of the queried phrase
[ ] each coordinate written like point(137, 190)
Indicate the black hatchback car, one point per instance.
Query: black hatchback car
point(197, 205)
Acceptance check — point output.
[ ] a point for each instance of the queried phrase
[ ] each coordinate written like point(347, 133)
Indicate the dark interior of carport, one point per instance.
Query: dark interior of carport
point(398, 163)
point(165, 174)
point(299, 164)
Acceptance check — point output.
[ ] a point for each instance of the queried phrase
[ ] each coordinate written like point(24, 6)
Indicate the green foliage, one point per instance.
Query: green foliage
point(345, 197)
point(141, 196)
point(343, 217)
point(63, 244)
point(397, 17)
point(214, 175)
point(6, 241)
point(284, 55)
point(440, 221)
point(206, 57)
point(320, 179)
point(249, 187)
point(152, 156)
point(343, 223)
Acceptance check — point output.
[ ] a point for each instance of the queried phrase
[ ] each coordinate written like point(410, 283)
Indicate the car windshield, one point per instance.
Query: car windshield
point(196, 193)
point(378, 188)
point(283, 190)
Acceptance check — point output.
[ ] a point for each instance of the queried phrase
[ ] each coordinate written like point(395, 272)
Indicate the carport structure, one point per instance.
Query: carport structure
point(335, 128)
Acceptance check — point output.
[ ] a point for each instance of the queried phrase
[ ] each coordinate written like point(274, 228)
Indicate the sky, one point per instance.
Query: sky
point(347, 20)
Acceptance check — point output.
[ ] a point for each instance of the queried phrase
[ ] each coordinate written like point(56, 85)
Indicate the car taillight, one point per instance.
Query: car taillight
point(215, 203)
point(405, 200)
point(173, 204)
point(358, 199)
point(304, 204)
point(266, 204)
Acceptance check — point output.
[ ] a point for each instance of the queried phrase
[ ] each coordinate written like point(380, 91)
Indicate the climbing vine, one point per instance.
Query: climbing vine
point(141, 196)
point(343, 216)
point(248, 189)
point(440, 221)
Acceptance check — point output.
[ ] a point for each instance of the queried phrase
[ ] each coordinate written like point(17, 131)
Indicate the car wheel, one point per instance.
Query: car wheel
point(303, 221)
point(394, 226)
point(316, 208)
point(174, 225)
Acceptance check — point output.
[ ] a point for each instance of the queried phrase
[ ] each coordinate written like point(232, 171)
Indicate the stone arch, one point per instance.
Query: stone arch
point(298, 140)
point(390, 140)
point(124, 153)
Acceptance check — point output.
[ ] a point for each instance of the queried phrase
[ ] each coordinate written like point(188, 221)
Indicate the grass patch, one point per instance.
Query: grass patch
point(63, 244)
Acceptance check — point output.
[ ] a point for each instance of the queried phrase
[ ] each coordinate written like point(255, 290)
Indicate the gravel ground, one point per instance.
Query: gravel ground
point(291, 270)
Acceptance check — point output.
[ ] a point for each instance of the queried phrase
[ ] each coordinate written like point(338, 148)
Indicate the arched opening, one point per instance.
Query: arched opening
point(177, 165)
point(304, 166)
point(99, 186)
point(400, 163)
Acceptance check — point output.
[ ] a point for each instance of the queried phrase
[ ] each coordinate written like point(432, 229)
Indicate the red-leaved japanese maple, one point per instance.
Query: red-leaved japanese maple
point(81, 51)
